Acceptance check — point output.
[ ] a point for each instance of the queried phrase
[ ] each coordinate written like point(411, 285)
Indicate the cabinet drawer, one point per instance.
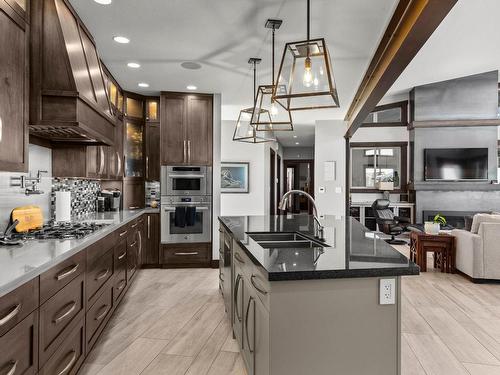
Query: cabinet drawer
point(97, 275)
point(58, 314)
point(101, 247)
point(18, 304)
point(132, 251)
point(59, 276)
point(120, 284)
point(19, 353)
point(69, 356)
point(193, 253)
point(98, 313)
point(261, 285)
point(242, 259)
point(120, 253)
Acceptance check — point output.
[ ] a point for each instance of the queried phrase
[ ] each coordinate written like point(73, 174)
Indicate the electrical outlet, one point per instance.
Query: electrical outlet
point(387, 292)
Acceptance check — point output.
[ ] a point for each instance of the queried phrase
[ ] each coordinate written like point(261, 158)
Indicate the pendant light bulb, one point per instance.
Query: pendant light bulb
point(307, 79)
point(274, 109)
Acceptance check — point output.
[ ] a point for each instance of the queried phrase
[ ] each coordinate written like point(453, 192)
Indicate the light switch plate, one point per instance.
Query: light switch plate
point(338, 190)
point(387, 292)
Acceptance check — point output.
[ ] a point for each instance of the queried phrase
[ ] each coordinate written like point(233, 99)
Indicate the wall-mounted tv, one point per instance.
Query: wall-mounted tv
point(455, 164)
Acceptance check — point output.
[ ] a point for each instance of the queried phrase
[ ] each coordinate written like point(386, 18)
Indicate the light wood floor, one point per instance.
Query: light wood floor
point(173, 322)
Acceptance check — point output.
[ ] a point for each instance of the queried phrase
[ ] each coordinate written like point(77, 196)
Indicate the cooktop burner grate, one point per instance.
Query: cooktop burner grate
point(58, 231)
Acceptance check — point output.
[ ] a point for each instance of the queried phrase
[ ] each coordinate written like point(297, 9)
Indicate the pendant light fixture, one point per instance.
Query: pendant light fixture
point(244, 130)
point(305, 79)
point(280, 119)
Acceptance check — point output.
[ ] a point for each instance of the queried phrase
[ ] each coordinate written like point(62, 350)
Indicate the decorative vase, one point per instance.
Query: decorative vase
point(431, 227)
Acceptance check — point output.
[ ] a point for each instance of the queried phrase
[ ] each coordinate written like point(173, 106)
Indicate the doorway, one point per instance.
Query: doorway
point(299, 175)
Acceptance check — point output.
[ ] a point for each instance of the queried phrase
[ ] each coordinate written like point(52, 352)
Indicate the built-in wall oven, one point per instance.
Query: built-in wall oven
point(186, 180)
point(186, 219)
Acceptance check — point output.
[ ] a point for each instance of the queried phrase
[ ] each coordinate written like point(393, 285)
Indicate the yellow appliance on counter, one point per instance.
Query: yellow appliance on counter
point(30, 217)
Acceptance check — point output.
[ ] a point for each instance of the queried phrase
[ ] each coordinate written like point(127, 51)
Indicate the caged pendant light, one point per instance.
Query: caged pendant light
point(305, 79)
point(244, 130)
point(280, 119)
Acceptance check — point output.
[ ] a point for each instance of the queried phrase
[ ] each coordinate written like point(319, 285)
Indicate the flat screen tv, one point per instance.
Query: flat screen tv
point(456, 164)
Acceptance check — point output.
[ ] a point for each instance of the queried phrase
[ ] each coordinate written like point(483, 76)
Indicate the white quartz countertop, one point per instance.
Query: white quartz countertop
point(20, 264)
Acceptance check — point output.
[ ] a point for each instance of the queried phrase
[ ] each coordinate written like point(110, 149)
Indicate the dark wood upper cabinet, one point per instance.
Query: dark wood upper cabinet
point(69, 101)
point(186, 129)
point(152, 151)
point(199, 129)
point(13, 89)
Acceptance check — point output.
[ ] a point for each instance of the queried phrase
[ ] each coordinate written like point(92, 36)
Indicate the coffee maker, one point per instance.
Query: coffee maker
point(112, 199)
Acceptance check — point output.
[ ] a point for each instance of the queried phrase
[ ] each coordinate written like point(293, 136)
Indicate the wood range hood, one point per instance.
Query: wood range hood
point(68, 99)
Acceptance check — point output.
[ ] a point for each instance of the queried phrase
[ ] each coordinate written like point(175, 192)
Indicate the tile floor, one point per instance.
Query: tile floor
point(173, 322)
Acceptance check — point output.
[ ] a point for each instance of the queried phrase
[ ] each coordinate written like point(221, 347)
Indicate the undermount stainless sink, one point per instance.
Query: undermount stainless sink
point(284, 241)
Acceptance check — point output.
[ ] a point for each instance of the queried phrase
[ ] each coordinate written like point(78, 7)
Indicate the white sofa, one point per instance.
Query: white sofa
point(478, 251)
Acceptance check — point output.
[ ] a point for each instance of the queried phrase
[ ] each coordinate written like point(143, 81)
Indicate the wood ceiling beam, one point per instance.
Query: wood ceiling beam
point(411, 25)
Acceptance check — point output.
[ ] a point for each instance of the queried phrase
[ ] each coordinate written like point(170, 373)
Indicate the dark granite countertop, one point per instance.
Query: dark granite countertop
point(353, 250)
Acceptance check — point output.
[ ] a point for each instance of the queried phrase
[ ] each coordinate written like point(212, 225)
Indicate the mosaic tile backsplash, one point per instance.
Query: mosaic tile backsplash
point(84, 195)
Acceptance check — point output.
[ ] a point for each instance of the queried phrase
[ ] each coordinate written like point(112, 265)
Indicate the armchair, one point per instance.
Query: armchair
point(388, 223)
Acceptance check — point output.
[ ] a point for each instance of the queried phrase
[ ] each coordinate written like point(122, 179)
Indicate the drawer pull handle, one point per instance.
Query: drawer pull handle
point(238, 257)
point(12, 368)
point(134, 225)
point(70, 364)
point(7, 318)
point(246, 324)
point(123, 234)
point(121, 285)
point(236, 292)
point(103, 314)
point(190, 253)
point(260, 290)
point(70, 270)
point(122, 255)
point(133, 244)
point(102, 275)
point(70, 307)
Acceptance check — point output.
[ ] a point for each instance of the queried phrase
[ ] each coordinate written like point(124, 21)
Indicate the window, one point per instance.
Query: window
point(378, 162)
point(394, 114)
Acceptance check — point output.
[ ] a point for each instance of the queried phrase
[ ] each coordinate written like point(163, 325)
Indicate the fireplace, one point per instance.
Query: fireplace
point(456, 219)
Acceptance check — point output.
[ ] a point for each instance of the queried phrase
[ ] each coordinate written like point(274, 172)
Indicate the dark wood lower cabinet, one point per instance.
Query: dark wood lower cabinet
point(19, 347)
point(150, 255)
point(186, 255)
point(69, 356)
point(58, 316)
point(97, 315)
point(16, 305)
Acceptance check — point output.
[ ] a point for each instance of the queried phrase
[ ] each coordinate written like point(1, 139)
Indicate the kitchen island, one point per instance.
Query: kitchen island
point(302, 306)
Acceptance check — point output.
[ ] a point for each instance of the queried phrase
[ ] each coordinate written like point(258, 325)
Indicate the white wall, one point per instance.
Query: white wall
point(252, 203)
point(330, 145)
point(39, 158)
point(298, 153)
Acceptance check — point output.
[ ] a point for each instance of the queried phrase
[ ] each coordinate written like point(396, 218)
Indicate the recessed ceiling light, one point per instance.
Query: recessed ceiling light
point(103, 2)
point(121, 39)
point(191, 65)
point(294, 136)
point(297, 143)
point(134, 65)
point(143, 84)
point(191, 87)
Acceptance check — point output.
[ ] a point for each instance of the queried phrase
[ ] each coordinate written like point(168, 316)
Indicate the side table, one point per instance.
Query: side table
point(442, 245)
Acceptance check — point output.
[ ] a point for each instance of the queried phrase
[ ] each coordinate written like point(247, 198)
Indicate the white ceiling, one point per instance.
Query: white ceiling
point(222, 34)
point(466, 42)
